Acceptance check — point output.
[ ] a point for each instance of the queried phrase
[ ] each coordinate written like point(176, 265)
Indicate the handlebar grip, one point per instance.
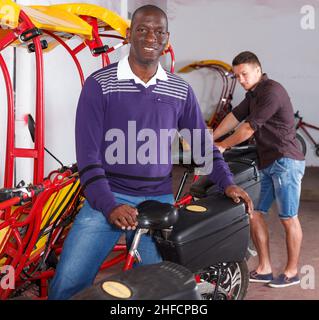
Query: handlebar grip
point(100, 50)
point(299, 119)
point(8, 203)
point(30, 34)
point(16, 195)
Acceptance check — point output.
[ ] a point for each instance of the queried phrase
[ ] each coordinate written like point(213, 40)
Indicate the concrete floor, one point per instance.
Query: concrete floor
point(309, 259)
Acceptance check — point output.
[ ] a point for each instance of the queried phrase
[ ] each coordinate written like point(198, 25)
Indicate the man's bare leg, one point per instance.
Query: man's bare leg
point(293, 241)
point(260, 237)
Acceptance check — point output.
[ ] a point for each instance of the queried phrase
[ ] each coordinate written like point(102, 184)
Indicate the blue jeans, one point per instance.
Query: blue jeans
point(281, 181)
point(89, 242)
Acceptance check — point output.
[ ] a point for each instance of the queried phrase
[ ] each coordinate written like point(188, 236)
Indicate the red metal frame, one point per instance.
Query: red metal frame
point(96, 42)
point(8, 39)
point(71, 52)
point(226, 94)
point(11, 152)
point(225, 98)
point(303, 125)
point(10, 125)
point(172, 54)
point(18, 252)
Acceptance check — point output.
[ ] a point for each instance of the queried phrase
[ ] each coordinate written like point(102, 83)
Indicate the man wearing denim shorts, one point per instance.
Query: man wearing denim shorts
point(267, 114)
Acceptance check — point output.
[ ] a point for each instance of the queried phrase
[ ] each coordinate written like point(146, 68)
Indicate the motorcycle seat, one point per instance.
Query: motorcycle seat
point(156, 215)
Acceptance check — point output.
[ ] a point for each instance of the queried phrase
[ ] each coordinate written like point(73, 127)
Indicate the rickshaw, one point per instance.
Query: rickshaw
point(224, 70)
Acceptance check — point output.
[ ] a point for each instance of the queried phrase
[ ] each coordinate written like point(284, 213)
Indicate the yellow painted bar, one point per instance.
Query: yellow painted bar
point(205, 63)
point(108, 17)
point(9, 14)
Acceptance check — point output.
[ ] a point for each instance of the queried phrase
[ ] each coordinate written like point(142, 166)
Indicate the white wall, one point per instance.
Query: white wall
point(134, 4)
point(219, 29)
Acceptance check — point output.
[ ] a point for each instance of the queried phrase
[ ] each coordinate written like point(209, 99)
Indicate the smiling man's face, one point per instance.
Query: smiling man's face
point(148, 37)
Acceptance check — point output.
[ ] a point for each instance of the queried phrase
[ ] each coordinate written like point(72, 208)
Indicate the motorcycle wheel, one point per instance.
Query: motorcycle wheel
point(233, 281)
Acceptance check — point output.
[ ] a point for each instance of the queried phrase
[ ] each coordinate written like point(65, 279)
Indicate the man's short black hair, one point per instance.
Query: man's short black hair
point(149, 7)
point(246, 57)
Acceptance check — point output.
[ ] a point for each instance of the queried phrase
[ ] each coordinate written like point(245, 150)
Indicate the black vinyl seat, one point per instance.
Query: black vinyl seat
point(156, 215)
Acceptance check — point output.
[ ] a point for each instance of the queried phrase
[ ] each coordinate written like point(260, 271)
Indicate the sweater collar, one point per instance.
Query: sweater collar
point(124, 72)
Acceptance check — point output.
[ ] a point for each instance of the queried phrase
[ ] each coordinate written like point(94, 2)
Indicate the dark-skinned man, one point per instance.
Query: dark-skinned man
point(122, 111)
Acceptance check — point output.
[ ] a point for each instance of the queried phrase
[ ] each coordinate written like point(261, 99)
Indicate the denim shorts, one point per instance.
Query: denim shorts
point(281, 181)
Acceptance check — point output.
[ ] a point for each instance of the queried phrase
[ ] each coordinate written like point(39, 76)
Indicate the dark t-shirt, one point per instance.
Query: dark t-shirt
point(269, 112)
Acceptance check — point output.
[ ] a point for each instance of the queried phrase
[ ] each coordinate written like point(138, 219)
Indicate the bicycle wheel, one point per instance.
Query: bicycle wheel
point(233, 281)
point(301, 144)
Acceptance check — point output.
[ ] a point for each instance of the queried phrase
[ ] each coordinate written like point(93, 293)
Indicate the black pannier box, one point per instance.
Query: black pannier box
point(246, 175)
point(208, 231)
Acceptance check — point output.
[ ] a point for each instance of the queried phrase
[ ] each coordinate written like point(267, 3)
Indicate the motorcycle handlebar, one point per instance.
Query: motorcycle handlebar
point(19, 195)
point(13, 196)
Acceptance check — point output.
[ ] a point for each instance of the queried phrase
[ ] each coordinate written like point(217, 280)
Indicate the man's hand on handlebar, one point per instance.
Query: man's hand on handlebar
point(124, 217)
point(236, 192)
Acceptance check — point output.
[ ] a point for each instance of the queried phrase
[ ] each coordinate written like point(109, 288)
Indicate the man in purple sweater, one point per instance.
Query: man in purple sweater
point(125, 112)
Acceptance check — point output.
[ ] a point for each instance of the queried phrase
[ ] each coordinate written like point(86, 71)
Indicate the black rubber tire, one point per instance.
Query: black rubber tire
point(234, 270)
point(302, 144)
